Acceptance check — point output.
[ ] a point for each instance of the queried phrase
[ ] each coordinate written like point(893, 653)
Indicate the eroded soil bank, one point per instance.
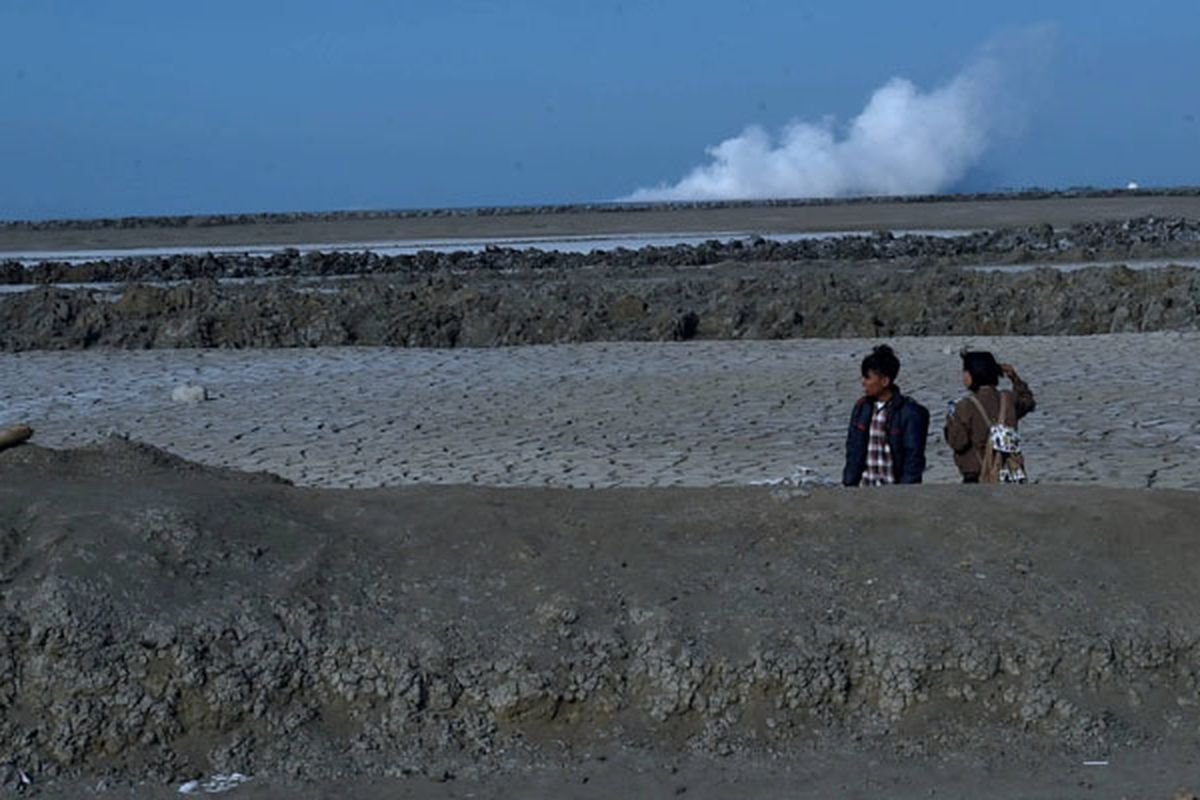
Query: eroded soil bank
point(163, 621)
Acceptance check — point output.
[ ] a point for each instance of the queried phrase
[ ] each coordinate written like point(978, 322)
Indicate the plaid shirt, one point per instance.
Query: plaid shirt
point(879, 470)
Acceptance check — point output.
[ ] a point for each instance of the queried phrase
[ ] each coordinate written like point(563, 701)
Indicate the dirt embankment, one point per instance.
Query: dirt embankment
point(163, 621)
point(854, 286)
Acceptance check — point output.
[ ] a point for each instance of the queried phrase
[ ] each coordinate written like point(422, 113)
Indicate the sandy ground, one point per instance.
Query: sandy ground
point(948, 215)
point(1114, 410)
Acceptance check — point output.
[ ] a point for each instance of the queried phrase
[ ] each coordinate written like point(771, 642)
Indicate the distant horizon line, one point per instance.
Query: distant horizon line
point(216, 219)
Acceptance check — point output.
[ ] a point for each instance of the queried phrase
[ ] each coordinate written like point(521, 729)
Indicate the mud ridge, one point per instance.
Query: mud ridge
point(761, 290)
point(205, 623)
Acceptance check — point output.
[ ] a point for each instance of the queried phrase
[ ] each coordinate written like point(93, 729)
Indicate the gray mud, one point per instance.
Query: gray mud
point(164, 621)
point(880, 285)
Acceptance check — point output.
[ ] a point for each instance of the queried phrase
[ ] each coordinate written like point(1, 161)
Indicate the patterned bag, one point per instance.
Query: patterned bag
point(1001, 461)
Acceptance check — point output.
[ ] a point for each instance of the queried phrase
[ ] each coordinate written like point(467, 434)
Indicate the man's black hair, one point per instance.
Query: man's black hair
point(882, 360)
point(983, 368)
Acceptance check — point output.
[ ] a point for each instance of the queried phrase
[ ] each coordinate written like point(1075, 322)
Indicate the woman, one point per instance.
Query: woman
point(967, 429)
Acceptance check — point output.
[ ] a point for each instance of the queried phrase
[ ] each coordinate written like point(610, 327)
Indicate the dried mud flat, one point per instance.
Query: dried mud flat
point(1115, 410)
point(456, 641)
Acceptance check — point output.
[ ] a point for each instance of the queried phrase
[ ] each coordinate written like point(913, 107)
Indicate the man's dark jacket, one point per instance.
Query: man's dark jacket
point(907, 428)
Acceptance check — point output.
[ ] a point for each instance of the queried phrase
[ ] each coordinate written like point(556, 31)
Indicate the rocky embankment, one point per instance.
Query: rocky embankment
point(212, 622)
point(880, 285)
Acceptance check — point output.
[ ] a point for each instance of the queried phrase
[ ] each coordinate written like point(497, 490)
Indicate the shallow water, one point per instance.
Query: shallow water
point(557, 244)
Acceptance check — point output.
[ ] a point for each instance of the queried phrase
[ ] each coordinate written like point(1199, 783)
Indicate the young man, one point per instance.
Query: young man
point(886, 442)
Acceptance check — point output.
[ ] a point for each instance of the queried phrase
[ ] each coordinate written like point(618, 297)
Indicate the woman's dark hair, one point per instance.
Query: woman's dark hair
point(983, 368)
point(882, 360)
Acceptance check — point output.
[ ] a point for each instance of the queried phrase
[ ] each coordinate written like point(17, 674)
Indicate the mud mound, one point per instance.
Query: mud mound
point(171, 622)
point(881, 285)
point(732, 301)
point(119, 457)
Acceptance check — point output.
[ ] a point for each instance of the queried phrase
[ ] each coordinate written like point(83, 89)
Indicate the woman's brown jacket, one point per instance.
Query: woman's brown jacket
point(967, 431)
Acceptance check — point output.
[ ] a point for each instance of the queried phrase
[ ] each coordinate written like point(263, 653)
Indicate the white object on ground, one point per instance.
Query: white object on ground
point(803, 477)
point(214, 785)
point(189, 393)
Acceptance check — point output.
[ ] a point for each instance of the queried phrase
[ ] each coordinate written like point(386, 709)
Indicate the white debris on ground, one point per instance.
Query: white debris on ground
point(189, 393)
point(214, 785)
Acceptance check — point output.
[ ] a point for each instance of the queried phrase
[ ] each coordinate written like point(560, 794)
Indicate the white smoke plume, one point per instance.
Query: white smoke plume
point(905, 141)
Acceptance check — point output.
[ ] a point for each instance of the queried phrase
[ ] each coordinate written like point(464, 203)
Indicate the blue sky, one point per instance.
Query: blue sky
point(112, 107)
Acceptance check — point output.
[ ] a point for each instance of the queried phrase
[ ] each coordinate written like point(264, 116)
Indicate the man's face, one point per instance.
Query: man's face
point(874, 383)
